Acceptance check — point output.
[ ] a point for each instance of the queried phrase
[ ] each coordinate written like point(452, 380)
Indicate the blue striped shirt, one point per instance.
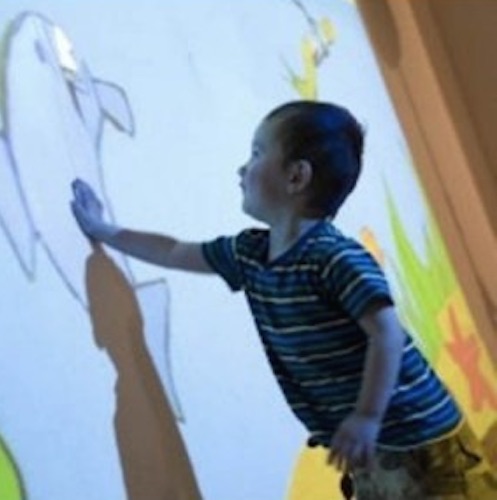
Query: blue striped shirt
point(306, 304)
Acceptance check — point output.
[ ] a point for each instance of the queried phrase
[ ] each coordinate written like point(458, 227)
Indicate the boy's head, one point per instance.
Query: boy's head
point(329, 140)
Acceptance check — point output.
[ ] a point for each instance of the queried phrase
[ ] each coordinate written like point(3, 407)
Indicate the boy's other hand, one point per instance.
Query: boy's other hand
point(88, 210)
point(354, 442)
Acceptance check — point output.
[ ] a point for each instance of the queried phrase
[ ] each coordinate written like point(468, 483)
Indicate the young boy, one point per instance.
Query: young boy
point(324, 312)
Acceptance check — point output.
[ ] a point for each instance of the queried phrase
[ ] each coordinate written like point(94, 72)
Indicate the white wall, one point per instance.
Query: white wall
point(199, 76)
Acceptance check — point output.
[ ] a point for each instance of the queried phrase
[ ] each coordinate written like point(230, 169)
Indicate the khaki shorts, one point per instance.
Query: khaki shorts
point(451, 469)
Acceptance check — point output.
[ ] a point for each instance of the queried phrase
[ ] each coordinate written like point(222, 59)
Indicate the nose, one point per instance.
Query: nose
point(242, 170)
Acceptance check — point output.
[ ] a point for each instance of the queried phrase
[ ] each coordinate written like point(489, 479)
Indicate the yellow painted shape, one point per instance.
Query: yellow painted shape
point(327, 30)
point(306, 85)
point(369, 240)
point(313, 478)
point(451, 373)
point(10, 485)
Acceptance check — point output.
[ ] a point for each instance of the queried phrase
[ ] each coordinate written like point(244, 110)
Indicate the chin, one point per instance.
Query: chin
point(252, 212)
point(247, 211)
point(246, 208)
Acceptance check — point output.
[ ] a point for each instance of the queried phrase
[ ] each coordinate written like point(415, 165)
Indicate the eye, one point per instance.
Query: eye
point(256, 152)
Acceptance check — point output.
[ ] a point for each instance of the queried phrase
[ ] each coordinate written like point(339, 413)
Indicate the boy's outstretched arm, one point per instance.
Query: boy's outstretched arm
point(354, 442)
point(156, 249)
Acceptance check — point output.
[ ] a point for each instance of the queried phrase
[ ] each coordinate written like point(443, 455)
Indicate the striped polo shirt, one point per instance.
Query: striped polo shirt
point(306, 304)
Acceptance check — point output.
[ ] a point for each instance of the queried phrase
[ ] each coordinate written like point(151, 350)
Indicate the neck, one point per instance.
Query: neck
point(286, 233)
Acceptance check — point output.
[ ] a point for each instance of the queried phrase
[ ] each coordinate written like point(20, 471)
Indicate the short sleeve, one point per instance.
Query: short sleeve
point(353, 278)
point(221, 255)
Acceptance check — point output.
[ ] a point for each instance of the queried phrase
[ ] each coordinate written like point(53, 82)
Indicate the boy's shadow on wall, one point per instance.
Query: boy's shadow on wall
point(153, 456)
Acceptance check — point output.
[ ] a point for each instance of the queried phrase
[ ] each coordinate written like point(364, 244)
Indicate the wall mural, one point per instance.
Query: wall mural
point(53, 114)
point(50, 135)
point(430, 300)
point(119, 380)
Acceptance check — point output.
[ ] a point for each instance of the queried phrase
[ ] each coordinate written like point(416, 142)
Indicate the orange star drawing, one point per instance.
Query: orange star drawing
point(465, 351)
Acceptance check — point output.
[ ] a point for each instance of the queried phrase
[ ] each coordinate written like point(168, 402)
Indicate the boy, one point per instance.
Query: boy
point(325, 316)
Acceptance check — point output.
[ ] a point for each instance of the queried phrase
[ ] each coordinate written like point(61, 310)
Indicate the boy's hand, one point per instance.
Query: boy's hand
point(354, 442)
point(88, 211)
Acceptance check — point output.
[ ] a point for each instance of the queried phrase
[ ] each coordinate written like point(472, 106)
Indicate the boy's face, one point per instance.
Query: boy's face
point(263, 177)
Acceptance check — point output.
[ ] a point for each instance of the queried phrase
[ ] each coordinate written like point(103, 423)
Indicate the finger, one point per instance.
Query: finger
point(78, 182)
point(78, 186)
point(80, 191)
point(78, 214)
point(74, 187)
point(334, 450)
point(368, 457)
point(84, 190)
point(331, 457)
point(349, 455)
point(86, 197)
point(90, 198)
point(75, 209)
point(354, 457)
point(81, 187)
point(335, 458)
point(338, 457)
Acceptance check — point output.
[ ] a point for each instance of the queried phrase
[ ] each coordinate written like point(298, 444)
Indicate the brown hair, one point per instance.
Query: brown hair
point(330, 139)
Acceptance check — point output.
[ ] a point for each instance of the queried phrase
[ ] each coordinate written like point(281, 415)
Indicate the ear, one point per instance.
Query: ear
point(299, 176)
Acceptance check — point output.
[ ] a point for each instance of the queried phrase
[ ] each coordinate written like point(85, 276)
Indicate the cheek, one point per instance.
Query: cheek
point(259, 181)
point(252, 178)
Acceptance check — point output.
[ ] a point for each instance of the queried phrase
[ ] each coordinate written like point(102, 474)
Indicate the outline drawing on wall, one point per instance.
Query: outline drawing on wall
point(314, 50)
point(52, 117)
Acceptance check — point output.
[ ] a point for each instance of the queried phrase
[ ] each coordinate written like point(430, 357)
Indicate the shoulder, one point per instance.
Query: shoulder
point(343, 263)
point(252, 235)
point(250, 242)
point(229, 255)
point(330, 246)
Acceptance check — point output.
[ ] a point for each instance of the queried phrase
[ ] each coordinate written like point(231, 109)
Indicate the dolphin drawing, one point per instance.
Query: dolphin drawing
point(52, 117)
